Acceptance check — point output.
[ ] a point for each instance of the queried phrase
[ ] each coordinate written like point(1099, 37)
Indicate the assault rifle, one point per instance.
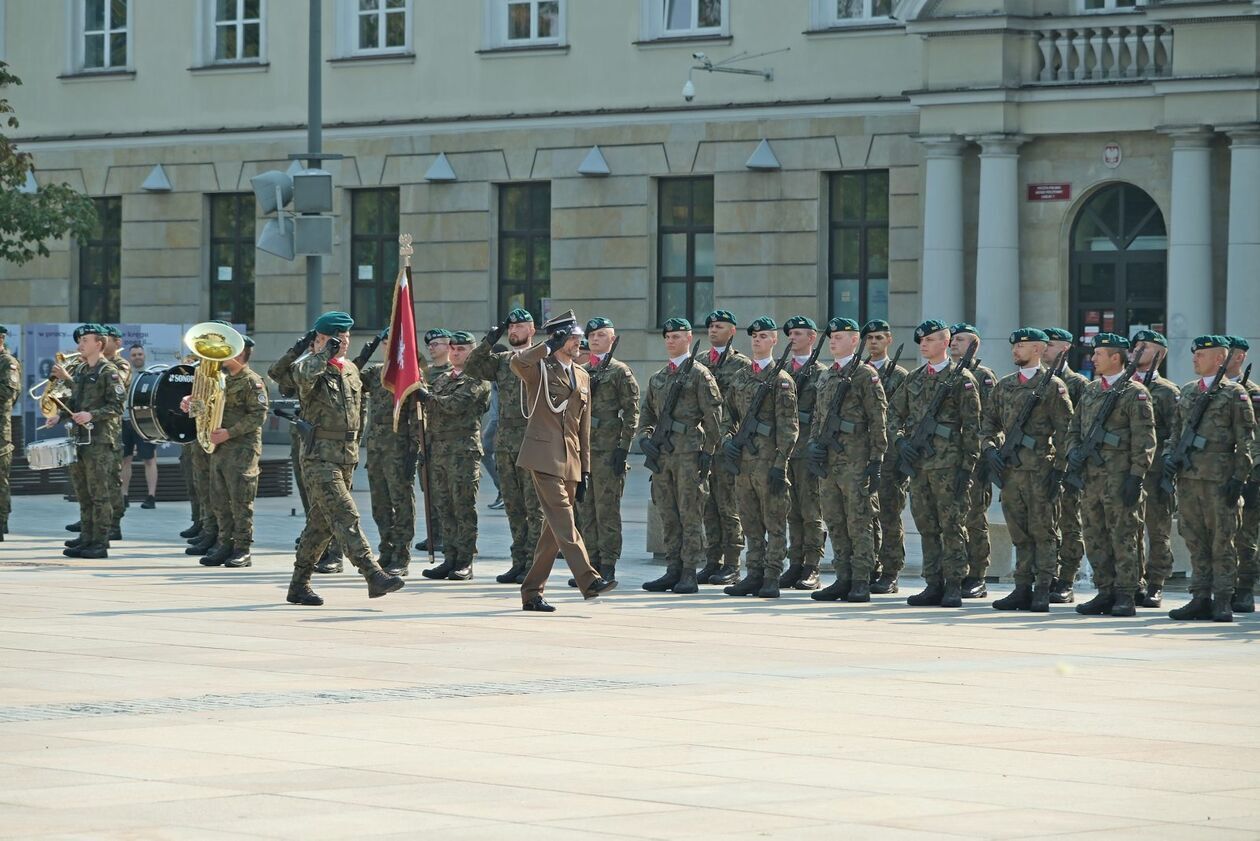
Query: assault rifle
point(1190, 439)
point(749, 426)
point(800, 376)
point(833, 425)
point(1016, 438)
point(603, 365)
point(305, 429)
point(370, 348)
point(1245, 377)
point(928, 428)
point(658, 441)
point(885, 373)
point(1097, 434)
point(1154, 369)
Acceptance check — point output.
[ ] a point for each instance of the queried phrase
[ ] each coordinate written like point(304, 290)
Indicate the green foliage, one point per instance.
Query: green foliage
point(29, 220)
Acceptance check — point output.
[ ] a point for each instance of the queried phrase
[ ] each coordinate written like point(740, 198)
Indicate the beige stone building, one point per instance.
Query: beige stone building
point(1092, 163)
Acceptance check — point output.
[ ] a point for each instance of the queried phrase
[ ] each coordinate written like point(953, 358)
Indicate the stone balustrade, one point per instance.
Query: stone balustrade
point(1085, 53)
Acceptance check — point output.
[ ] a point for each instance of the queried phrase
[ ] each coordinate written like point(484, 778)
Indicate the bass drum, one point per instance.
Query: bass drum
point(154, 404)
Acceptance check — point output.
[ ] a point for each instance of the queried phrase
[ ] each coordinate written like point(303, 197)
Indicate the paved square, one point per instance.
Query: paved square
point(146, 697)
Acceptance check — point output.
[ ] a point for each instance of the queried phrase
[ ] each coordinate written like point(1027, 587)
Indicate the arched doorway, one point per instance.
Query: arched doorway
point(1119, 265)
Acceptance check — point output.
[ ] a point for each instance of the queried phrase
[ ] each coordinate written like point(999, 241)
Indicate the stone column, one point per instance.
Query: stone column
point(997, 241)
point(1242, 295)
point(1189, 247)
point(942, 264)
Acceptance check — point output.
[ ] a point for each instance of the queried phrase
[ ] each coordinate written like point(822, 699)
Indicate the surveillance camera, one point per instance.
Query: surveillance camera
point(699, 56)
point(689, 91)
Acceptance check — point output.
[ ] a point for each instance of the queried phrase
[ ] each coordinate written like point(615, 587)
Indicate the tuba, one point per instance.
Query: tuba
point(212, 343)
point(52, 392)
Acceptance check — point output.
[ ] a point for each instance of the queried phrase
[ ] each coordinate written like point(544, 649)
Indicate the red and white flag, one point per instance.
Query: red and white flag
point(402, 373)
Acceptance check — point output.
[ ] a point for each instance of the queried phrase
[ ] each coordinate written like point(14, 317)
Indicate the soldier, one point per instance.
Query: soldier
point(207, 536)
point(962, 336)
point(10, 390)
point(614, 418)
point(113, 344)
point(455, 406)
point(1111, 501)
point(1157, 511)
point(724, 537)
point(761, 485)
point(680, 487)
point(332, 401)
point(95, 405)
point(848, 445)
point(1244, 600)
point(520, 500)
point(938, 491)
point(890, 537)
point(194, 502)
point(1032, 478)
point(805, 520)
point(438, 344)
point(1068, 528)
point(391, 466)
point(1210, 480)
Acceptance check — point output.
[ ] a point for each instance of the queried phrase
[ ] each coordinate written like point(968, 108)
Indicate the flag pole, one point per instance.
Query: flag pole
point(404, 252)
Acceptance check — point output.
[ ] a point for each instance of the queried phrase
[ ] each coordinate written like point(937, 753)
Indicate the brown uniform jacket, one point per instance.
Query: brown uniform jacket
point(556, 442)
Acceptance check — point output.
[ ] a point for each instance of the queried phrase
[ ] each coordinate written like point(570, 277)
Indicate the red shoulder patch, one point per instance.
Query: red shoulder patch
point(1141, 395)
point(969, 385)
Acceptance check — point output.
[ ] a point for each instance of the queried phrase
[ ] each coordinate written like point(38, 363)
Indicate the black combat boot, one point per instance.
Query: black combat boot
point(1125, 604)
point(1244, 601)
point(191, 531)
point(1221, 610)
point(218, 553)
point(1019, 599)
point(440, 571)
point(398, 566)
point(792, 574)
point(711, 567)
point(1061, 591)
point(381, 583)
point(1040, 599)
point(150, 502)
point(462, 572)
point(1154, 595)
point(726, 574)
point(300, 592)
point(239, 559)
point(115, 533)
point(1099, 605)
point(203, 545)
point(973, 588)
point(77, 525)
point(329, 564)
point(747, 585)
point(808, 579)
point(608, 572)
point(1199, 607)
point(836, 591)
point(509, 577)
point(74, 543)
point(860, 591)
point(952, 595)
point(673, 573)
point(929, 596)
point(98, 550)
point(686, 581)
point(769, 588)
point(73, 551)
point(885, 584)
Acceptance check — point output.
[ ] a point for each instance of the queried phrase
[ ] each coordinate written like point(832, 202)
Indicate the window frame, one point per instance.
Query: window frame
point(384, 242)
point(242, 242)
point(348, 14)
point(824, 15)
point(112, 249)
point(79, 33)
point(496, 26)
point(654, 25)
point(1110, 7)
point(690, 280)
point(210, 30)
point(531, 235)
point(863, 226)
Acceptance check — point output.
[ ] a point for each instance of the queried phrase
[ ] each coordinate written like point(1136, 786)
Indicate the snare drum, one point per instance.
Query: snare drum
point(50, 454)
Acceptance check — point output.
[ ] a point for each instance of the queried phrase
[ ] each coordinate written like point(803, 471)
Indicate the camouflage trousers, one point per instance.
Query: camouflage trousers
point(940, 517)
point(679, 495)
point(1112, 531)
point(120, 495)
point(1209, 527)
point(806, 535)
point(1070, 533)
point(453, 481)
point(392, 487)
point(186, 468)
point(520, 503)
point(202, 486)
point(599, 515)
point(852, 516)
point(295, 458)
point(233, 486)
point(94, 476)
point(890, 532)
point(723, 533)
point(1027, 507)
point(763, 516)
point(6, 493)
point(1157, 561)
point(1248, 552)
point(332, 515)
point(979, 550)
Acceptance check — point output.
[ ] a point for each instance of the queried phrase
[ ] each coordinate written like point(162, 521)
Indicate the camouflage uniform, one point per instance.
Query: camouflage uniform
point(190, 484)
point(433, 530)
point(454, 429)
point(10, 389)
point(1249, 528)
point(391, 467)
point(120, 500)
point(1069, 528)
point(979, 550)
point(614, 417)
point(203, 487)
point(281, 374)
point(890, 532)
point(520, 500)
point(1112, 529)
point(1158, 511)
point(234, 463)
point(723, 533)
point(805, 519)
point(98, 389)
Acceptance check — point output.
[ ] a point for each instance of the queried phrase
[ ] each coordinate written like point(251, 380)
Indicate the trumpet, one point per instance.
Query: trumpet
point(212, 343)
point(52, 392)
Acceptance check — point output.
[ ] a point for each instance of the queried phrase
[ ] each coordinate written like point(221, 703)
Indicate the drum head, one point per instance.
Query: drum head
point(155, 396)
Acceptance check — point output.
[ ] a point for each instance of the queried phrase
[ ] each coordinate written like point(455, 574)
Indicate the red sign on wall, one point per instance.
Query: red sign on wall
point(1049, 192)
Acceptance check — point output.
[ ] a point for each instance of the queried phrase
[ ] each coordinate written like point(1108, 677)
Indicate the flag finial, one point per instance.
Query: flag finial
point(404, 249)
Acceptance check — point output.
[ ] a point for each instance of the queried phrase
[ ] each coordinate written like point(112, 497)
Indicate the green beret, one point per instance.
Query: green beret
point(1238, 343)
point(1058, 334)
point(720, 315)
point(332, 323)
point(4, 331)
point(1111, 340)
point(87, 329)
point(248, 341)
point(673, 325)
point(1151, 336)
point(430, 336)
point(1209, 341)
point(927, 328)
point(598, 323)
point(764, 322)
point(842, 325)
point(519, 316)
point(799, 321)
point(112, 330)
point(876, 325)
point(461, 337)
point(1029, 334)
point(962, 327)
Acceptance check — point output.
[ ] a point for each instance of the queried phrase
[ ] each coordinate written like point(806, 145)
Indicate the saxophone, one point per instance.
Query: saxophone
point(212, 343)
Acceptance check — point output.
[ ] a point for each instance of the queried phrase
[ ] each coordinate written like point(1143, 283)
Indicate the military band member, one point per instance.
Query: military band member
point(1032, 479)
point(95, 407)
point(437, 343)
point(723, 534)
point(1068, 525)
point(939, 498)
point(805, 521)
point(1210, 486)
point(890, 537)
point(1157, 510)
point(852, 461)
point(391, 467)
point(520, 500)
point(332, 401)
point(454, 406)
point(113, 346)
point(1111, 501)
point(10, 390)
point(761, 487)
point(979, 550)
point(680, 488)
point(1244, 600)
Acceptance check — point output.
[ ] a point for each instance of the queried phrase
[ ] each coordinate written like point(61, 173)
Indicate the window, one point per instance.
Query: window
point(1109, 5)
point(100, 265)
point(373, 255)
point(859, 245)
point(685, 249)
point(378, 26)
point(232, 258)
point(684, 18)
point(238, 30)
point(829, 13)
point(524, 247)
point(105, 27)
point(523, 23)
